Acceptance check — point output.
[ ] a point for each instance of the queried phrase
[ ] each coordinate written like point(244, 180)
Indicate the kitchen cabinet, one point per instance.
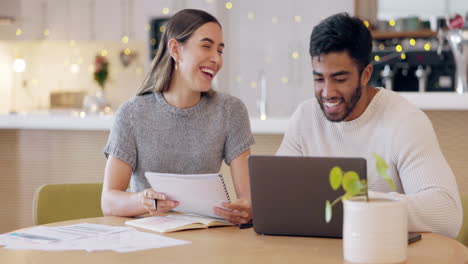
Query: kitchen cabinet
point(87, 20)
point(9, 10)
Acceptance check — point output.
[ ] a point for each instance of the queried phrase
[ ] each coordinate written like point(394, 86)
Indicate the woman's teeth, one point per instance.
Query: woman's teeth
point(209, 71)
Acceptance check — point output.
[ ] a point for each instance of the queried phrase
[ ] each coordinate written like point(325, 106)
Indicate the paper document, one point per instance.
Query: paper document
point(89, 237)
point(45, 235)
point(196, 193)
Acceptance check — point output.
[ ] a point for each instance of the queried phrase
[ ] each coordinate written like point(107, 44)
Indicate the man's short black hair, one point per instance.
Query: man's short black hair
point(342, 32)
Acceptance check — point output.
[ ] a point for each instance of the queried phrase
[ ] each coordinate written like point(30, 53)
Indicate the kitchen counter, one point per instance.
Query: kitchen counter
point(438, 101)
point(51, 120)
point(76, 120)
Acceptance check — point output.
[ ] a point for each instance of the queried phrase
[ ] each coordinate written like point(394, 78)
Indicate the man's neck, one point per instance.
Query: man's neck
point(364, 102)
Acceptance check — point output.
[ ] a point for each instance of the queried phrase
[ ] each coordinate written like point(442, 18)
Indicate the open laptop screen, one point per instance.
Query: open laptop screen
point(289, 194)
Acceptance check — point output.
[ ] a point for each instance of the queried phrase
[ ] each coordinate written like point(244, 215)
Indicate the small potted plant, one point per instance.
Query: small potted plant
point(375, 230)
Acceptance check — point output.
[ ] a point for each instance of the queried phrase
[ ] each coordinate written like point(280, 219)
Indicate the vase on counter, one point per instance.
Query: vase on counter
point(96, 104)
point(101, 99)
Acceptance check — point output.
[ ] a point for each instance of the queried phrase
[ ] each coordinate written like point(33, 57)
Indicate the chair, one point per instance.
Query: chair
point(61, 202)
point(463, 235)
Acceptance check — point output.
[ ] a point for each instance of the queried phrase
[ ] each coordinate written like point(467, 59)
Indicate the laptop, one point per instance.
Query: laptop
point(289, 194)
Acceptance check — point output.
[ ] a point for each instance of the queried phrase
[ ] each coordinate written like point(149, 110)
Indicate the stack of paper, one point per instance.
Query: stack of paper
point(89, 237)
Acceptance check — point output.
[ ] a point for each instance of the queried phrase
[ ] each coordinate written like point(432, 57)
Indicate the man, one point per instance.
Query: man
point(350, 118)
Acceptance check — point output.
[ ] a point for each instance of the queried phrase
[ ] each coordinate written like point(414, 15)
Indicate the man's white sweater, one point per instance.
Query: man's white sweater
point(403, 136)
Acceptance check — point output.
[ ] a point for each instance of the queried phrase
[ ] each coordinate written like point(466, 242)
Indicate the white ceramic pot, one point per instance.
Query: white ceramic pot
point(375, 231)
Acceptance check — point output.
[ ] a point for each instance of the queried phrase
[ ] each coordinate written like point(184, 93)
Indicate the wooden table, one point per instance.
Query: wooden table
point(233, 245)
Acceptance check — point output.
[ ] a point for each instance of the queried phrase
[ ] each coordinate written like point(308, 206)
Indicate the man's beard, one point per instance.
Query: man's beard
point(348, 105)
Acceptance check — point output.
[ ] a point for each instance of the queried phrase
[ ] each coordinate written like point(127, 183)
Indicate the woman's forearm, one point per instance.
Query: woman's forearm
point(115, 200)
point(121, 203)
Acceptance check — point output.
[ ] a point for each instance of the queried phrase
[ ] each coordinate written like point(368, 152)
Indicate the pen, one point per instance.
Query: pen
point(247, 225)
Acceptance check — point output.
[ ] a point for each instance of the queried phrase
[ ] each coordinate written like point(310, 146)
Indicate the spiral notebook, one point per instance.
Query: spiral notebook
point(196, 193)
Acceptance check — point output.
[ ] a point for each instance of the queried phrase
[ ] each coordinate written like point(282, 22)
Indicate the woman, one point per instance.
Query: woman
point(178, 124)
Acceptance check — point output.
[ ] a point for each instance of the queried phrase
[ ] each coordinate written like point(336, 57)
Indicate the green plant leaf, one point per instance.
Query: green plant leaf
point(351, 183)
point(382, 167)
point(328, 211)
point(336, 176)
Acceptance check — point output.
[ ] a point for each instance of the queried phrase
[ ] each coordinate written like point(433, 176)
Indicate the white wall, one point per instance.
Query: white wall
point(6, 77)
point(262, 44)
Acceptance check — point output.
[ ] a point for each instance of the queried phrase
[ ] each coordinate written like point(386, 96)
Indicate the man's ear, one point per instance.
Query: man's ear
point(366, 75)
point(174, 49)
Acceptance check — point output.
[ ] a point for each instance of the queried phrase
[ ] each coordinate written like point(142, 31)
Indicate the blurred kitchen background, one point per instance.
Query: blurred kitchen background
point(48, 48)
point(66, 66)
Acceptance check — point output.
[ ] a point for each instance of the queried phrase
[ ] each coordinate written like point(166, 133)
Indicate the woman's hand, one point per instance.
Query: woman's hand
point(238, 212)
point(148, 197)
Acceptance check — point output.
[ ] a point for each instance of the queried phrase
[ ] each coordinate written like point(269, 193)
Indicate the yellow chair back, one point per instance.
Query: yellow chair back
point(61, 202)
point(463, 236)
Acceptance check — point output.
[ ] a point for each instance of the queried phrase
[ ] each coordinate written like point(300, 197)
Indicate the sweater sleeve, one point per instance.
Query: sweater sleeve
point(290, 146)
point(239, 135)
point(121, 142)
point(428, 182)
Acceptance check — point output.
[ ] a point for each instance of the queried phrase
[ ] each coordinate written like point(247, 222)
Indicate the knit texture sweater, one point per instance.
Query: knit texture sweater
point(404, 137)
point(151, 135)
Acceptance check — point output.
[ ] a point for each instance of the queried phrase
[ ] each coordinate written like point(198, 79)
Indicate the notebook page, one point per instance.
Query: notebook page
point(158, 223)
point(195, 218)
point(197, 194)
